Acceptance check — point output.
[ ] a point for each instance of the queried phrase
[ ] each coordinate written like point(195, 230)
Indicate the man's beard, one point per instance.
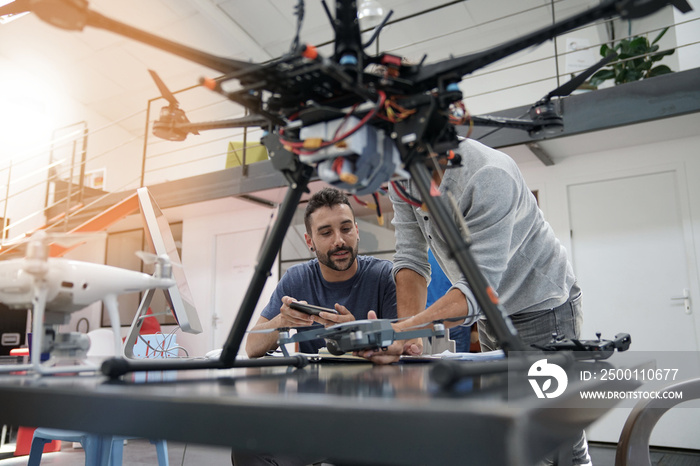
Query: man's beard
point(326, 259)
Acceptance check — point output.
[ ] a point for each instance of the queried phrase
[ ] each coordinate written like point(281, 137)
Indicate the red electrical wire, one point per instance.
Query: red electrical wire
point(403, 196)
point(297, 145)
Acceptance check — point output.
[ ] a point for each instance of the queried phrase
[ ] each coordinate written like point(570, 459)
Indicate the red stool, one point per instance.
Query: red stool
point(24, 442)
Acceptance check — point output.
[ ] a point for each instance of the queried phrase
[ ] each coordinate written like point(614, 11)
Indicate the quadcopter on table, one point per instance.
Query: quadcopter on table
point(354, 118)
point(379, 334)
point(355, 335)
point(53, 288)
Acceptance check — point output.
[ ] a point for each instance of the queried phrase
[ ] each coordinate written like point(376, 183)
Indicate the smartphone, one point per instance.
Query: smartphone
point(310, 308)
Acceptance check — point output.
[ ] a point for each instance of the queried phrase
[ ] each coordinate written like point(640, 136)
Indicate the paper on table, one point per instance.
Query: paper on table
point(485, 356)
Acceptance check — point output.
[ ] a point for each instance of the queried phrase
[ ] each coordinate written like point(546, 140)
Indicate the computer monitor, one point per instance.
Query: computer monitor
point(179, 297)
point(13, 329)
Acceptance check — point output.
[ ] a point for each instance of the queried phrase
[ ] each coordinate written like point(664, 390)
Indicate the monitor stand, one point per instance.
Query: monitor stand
point(137, 323)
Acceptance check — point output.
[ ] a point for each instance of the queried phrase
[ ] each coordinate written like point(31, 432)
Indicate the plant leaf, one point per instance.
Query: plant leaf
point(639, 44)
point(662, 54)
point(634, 75)
point(636, 57)
point(659, 70)
point(661, 34)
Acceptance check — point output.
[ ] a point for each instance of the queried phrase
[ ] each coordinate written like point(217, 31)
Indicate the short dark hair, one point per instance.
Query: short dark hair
point(327, 197)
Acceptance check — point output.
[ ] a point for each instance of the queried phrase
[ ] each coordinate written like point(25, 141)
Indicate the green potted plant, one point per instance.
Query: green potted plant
point(636, 59)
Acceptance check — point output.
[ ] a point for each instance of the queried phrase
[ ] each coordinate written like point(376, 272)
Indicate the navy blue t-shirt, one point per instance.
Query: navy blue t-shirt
point(372, 288)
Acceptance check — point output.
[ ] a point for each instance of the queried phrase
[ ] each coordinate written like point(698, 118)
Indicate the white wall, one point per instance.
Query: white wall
point(552, 181)
point(199, 257)
point(688, 33)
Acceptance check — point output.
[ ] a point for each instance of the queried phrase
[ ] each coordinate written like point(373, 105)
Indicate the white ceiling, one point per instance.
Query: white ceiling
point(107, 74)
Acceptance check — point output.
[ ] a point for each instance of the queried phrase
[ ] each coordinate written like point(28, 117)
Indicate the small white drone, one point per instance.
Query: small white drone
point(55, 287)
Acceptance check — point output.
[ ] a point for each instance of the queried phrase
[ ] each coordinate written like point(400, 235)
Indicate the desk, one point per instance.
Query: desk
point(350, 412)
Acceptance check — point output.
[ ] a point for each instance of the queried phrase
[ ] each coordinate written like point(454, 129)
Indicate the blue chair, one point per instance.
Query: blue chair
point(100, 450)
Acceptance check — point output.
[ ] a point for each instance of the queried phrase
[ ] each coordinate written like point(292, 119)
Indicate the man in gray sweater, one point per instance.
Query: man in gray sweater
point(514, 247)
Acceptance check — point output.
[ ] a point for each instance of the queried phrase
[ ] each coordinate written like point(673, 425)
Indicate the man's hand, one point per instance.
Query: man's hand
point(413, 347)
point(392, 353)
point(328, 318)
point(288, 317)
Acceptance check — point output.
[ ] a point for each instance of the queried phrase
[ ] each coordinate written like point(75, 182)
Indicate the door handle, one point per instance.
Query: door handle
point(685, 298)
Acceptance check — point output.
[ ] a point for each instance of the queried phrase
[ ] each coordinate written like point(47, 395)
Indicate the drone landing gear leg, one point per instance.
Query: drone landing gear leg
point(38, 325)
point(112, 306)
point(270, 249)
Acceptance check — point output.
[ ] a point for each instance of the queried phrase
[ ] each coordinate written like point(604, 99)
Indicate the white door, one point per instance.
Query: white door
point(631, 260)
point(236, 256)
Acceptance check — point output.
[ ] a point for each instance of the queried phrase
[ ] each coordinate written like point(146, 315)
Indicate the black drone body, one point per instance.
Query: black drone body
point(411, 104)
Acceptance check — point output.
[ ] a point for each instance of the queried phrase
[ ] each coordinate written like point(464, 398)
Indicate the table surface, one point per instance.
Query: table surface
point(351, 412)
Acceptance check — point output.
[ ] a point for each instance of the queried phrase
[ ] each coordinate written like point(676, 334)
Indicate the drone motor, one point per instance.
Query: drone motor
point(166, 126)
point(547, 121)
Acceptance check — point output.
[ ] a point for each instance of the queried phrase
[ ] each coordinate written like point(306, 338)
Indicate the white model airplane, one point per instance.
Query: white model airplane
point(55, 287)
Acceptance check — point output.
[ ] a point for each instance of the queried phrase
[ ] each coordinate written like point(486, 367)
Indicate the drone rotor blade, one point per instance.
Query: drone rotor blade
point(276, 329)
point(164, 91)
point(15, 8)
point(147, 257)
point(570, 86)
point(438, 321)
point(268, 330)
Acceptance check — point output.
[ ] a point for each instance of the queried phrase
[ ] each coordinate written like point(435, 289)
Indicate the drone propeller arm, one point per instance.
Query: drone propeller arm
point(411, 334)
point(252, 120)
point(302, 336)
point(500, 122)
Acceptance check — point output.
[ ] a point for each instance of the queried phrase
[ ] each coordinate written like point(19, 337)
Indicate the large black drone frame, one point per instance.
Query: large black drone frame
point(292, 79)
point(302, 88)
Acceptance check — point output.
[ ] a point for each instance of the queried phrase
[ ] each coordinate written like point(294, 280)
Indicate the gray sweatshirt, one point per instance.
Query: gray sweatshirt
point(513, 245)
